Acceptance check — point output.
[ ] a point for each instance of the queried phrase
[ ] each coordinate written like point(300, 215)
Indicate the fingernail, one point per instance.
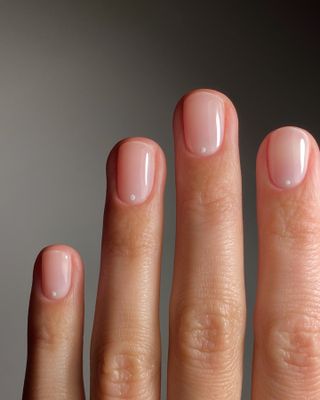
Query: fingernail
point(288, 154)
point(55, 273)
point(135, 172)
point(203, 122)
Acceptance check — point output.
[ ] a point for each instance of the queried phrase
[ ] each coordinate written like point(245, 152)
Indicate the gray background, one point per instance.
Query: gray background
point(75, 77)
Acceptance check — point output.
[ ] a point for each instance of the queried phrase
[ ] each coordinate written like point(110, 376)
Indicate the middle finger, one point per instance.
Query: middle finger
point(207, 309)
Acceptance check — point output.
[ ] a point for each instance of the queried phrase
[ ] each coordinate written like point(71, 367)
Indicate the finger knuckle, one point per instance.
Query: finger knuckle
point(208, 337)
point(292, 345)
point(50, 334)
point(205, 206)
point(297, 222)
point(125, 375)
point(130, 240)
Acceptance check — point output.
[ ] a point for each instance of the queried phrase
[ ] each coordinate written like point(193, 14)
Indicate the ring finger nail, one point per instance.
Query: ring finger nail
point(135, 171)
point(203, 122)
point(288, 154)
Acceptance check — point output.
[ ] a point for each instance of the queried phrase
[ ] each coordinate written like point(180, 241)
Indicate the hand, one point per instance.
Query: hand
point(207, 304)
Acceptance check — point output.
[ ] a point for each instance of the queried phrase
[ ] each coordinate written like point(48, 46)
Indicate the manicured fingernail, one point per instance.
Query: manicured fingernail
point(288, 154)
point(203, 122)
point(135, 172)
point(55, 273)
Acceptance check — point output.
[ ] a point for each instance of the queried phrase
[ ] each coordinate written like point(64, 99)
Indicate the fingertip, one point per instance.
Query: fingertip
point(225, 98)
point(229, 105)
point(65, 248)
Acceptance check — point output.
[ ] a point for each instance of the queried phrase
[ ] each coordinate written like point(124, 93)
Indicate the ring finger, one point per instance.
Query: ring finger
point(125, 346)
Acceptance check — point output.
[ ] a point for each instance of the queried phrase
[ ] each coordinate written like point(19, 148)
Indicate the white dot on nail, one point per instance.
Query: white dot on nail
point(132, 197)
point(203, 149)
point(54, 294)
point(288, 182)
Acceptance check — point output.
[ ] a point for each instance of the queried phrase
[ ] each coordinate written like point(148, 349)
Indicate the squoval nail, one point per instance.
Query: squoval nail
point(288, 155)
point(55, 273)
point(135, 171)
point(203, 122)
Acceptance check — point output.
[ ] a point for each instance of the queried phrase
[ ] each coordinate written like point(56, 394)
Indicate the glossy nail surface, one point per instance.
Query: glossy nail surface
point(55, 273)
point(135, 171)
point(288, 154)
point(203, 122)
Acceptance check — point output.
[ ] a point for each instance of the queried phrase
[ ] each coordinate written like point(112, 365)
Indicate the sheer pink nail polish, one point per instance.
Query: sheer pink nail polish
point(55, 273)
point(135, 171)
point(288, 154)
point(203, 122)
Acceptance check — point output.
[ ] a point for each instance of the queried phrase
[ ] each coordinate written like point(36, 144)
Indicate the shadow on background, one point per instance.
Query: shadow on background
point(76, 77)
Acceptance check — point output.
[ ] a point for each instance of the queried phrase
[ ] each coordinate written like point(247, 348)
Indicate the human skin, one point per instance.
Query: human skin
point(207, 312)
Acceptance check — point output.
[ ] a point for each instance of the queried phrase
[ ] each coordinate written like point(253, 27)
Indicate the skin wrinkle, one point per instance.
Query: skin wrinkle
point(127, 372)
point(301, 223)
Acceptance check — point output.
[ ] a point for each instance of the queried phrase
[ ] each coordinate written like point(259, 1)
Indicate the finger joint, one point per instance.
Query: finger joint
point(126, 374)
point(207, 337)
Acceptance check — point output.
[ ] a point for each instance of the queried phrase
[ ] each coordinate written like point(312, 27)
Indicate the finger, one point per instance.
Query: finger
point(207, 308)
point(125, 346)
point(55, 329)
point(287, 312)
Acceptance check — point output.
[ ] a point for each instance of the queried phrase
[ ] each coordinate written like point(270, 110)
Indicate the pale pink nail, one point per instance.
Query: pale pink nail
point(203, 122)
point(288, 154)
point(135, 172)
point(55, 273)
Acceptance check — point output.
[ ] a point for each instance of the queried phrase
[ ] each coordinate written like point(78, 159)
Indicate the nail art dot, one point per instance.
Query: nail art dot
point(132, 197)
point(54, 294)
point(288, 182)
point(203, 150)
